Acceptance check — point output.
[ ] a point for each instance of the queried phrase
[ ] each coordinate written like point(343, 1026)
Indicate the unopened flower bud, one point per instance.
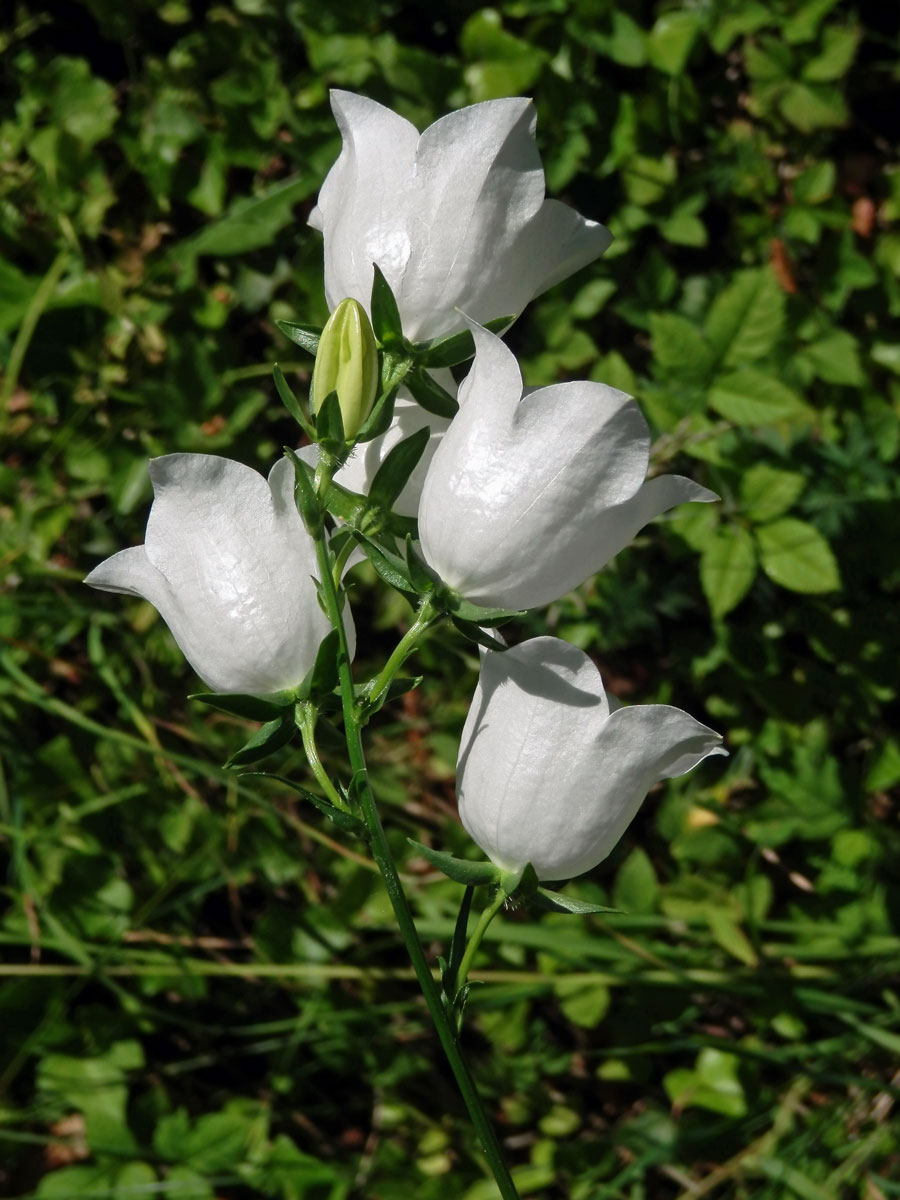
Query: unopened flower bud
point(347, 363)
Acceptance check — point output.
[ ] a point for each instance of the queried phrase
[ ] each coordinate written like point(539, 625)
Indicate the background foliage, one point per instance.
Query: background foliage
point(203, 994)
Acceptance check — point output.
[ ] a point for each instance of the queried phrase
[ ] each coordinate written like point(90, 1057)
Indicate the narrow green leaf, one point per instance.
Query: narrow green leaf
point(324, 677)
point(393, 474)
point(304, 336)
point(461, 870)
point(556, 902)
point(458, 347)
point(267, 739)
point(250, 708)
point(330, 423)
point(429, 394)
point(476, 634)
point(343, 820)
point(466, 611)
point(291, 403)
point(796, 556)
point(304, 491)
point(379, 419)
point(727, 568)
point(421, 578)
point(385, 314)
point(390, 567)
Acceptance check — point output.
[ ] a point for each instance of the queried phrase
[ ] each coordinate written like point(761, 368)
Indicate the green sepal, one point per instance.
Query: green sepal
point(305, 492)
point(476, 634)
point(267, 739)
point(344, 821)
point(380, 418)
point(305, 336)
point(291, 403)
point(390, 567)
point(330, 425)
point(460, 870)
point(250, 708)
point(399, 686)
point(458, 347)
point(556, 902)
point(429, 394)
point(464, 610)
point(323, 678)
point(422, 580)
point(393, 474)
point(385, 314)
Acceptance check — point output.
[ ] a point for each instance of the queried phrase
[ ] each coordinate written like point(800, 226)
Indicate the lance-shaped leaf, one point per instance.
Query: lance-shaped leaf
point(304, 336)
point(344, 821)
point(291, 403)
point(393, 474)
point(330, 424)
point(557, 902)
point(385, 314)
point(249, 708)
point(268, 738)
point(390, 567)
point(428, 393)
point(458, 348)
point(460, 870)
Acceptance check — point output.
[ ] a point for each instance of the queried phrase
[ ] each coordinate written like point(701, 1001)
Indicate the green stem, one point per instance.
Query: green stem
point(382, 853)
point(306, 723)
point(424, 617)
point(478, 933)
point(39, 302)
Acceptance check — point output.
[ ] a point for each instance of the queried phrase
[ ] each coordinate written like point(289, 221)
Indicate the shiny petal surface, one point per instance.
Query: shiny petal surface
point(456, 217)
point(228, 565)
point(518, 487)
point(547, 773)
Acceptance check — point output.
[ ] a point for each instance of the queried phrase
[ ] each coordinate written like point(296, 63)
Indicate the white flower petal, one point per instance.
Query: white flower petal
point(518, 486)
point(229, 567)
point(535, 710)
point(454, 218)
point(547, 773)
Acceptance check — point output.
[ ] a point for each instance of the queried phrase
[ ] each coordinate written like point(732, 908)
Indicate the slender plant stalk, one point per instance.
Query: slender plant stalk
point(478, 933)
point(382, 854)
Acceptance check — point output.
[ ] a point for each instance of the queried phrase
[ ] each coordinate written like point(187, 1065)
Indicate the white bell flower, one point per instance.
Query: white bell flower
point(551, 772)
point(454, 218)
point(228, 563)
point(528, 496)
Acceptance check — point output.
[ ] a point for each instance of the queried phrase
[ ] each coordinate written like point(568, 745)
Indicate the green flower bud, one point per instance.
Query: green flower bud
point(347, 363)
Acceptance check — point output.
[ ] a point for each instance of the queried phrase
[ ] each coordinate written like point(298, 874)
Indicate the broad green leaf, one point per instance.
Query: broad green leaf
point(636, 885)
point(134, 1180)
point(796, 556)
point(767, 492)
point(727, 568)
point(679, 348)
point(815, 184)
point(745, 321)
point(804, 24)
point(713, 1084)
point(671, 39)
point(251, 222)
point(748, 397)
point(813, 106)
point(727, 932)
point(887, 354)
point(835, 359)
point(584, 1004)
point(839, 44)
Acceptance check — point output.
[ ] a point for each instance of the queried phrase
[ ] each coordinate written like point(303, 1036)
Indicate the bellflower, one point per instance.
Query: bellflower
point(229, 565)
point(454, 218)
point(551, 771)
point(527, 497)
